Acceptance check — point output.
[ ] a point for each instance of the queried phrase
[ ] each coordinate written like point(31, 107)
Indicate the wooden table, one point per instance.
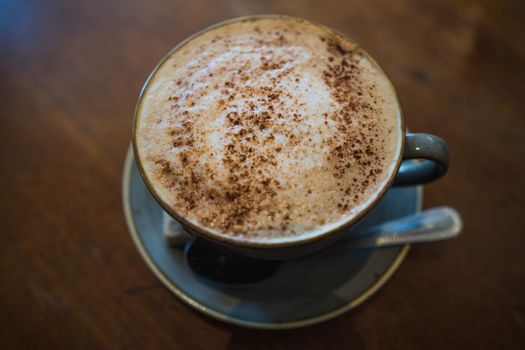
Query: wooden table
point(70, 276)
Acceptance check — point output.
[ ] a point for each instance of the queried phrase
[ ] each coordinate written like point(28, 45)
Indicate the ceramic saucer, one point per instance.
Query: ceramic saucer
point(301, 292)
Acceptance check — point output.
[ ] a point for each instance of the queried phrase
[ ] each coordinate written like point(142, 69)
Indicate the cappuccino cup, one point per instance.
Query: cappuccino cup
point(272, 136)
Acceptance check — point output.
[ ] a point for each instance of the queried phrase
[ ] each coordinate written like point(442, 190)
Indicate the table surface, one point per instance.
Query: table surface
point(70, 276)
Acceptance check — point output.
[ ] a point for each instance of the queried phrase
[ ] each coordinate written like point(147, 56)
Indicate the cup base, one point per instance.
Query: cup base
point(222, 266)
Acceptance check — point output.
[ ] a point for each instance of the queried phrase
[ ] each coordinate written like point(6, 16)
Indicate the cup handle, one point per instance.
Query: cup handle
point(425, 159)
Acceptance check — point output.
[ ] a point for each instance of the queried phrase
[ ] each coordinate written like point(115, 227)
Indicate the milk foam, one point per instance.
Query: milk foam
point(268, 131)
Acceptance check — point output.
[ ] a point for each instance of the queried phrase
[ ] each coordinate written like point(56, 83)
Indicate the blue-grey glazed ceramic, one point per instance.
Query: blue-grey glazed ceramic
point(422, 158)
point(301, 292)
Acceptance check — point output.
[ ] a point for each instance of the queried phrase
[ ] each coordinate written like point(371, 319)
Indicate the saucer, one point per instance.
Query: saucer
point(301, 292)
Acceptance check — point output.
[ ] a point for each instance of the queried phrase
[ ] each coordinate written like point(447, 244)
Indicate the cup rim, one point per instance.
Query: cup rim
point(223, 240)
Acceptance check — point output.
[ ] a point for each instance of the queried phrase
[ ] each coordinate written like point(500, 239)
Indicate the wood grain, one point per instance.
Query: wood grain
point(70, 277)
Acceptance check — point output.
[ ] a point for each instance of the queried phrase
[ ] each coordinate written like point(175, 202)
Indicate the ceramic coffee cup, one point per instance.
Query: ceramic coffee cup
point(423, 158)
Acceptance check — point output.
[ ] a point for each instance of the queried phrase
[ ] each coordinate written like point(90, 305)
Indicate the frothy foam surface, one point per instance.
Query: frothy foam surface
point(271, 130)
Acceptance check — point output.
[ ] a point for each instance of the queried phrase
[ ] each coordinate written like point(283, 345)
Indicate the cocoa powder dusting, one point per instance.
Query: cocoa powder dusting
point(253, 162)
point(351, 148)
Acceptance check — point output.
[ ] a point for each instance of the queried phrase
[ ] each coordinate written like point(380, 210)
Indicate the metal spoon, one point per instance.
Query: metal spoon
point(220, 265)
point(429, 225)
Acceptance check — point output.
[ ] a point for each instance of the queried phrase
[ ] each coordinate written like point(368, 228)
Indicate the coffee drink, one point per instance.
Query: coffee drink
point(268, 130)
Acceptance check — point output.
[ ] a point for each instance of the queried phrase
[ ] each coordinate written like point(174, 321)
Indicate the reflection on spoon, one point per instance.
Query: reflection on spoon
point(429, 225)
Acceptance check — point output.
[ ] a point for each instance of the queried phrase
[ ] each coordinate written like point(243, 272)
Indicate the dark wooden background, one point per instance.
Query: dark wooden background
point(70, 276)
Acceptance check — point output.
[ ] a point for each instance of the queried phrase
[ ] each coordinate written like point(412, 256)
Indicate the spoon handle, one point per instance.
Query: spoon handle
point(430, 225)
